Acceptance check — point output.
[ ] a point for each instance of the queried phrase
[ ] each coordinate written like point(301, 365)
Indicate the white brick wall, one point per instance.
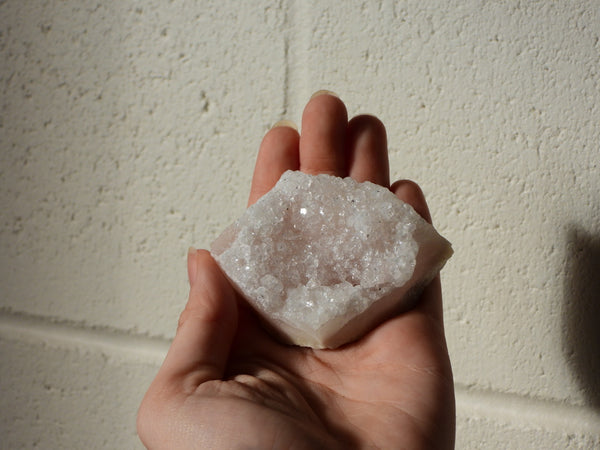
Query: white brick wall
point(128, 132)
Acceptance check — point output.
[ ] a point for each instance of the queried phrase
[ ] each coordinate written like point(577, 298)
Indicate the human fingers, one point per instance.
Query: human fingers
point(367, 150)
point(206, 329)
point(278, 152)
point(410, 192)
point(323, 138)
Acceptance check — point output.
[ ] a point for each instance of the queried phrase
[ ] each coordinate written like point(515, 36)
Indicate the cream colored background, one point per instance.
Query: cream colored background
point(128, 132)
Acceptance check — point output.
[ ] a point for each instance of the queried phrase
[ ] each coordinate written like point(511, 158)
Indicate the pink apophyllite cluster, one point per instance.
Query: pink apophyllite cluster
point(324, 259)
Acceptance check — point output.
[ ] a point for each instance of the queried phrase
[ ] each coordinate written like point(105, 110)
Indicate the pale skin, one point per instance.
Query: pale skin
point(226, 383)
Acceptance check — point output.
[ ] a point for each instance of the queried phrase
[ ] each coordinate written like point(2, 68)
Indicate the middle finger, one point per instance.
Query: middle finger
point(323, 137)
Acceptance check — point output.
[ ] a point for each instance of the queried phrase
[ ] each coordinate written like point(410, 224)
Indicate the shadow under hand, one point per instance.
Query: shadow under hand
point(581, 316)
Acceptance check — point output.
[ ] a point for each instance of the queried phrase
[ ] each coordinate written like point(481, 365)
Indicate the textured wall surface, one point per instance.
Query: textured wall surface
point(128, 132)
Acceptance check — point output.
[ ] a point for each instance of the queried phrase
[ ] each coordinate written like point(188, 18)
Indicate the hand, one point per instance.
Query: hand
point(225, 383)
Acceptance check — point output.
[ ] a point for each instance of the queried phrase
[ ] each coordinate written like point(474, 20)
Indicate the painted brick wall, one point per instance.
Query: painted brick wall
point(128, 132)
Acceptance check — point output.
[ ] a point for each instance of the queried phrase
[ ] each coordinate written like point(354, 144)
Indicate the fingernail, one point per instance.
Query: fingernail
point(191, 263)
point(285, 123)
point(324, 92)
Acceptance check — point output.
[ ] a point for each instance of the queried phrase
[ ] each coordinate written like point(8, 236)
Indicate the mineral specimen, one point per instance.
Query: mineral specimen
point(324, 259)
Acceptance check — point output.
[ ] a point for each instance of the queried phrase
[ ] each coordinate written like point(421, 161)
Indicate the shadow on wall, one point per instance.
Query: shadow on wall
point(581, 315)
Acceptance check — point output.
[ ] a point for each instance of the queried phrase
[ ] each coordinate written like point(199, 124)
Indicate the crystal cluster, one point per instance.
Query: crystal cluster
point(324, 259)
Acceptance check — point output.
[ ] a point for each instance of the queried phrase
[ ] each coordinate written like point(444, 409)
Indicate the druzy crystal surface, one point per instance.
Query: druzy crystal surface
point(324, 259)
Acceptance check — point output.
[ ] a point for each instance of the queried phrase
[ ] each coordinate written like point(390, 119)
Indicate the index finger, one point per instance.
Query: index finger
point(278, 152)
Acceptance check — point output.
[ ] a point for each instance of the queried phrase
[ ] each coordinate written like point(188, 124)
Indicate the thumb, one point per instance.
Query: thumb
point(207, 325)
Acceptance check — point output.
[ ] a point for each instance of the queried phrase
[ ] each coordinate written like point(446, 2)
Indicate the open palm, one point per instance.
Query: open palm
point(226, 383)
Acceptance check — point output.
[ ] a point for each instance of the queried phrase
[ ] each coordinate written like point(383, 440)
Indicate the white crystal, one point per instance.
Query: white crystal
point(324, 259)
